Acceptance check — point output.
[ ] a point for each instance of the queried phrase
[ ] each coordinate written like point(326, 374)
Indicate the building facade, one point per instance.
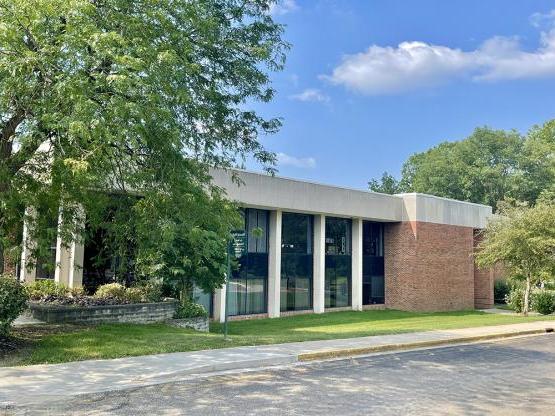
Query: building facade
point(307, 247)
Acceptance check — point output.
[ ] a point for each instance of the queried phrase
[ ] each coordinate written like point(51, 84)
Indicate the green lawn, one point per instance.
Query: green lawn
point(119, 340)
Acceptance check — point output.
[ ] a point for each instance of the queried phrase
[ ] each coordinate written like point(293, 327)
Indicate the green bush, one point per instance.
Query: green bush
point(150, 291)
point(13, 298)
point(500, 291)
point(112, 291)
point(134, 294)
point(543, 301)
point(41, 288)
point(515, 300)
point(190, 310)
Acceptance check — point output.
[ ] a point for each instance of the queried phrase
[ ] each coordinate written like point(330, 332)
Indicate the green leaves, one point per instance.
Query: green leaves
point(133, 97)
point(486, 167)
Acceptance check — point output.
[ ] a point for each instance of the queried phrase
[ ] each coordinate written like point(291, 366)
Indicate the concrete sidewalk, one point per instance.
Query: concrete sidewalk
point(39, 383)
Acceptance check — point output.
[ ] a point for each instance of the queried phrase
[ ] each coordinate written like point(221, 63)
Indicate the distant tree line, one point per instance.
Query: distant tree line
point(487, 167)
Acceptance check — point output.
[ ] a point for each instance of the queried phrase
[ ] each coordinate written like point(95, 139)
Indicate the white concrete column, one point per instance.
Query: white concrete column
point(356, 256)
point(70, 256)
point(274, 265)
point(28, 272)
point(219, 304)
point(319, 269)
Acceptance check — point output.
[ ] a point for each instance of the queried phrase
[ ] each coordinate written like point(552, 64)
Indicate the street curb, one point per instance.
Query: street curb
point(348, 352)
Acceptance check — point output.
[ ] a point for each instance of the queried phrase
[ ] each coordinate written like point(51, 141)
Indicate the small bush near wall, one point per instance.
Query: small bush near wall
point(500, 291)
point(13, 299)
point(190, 310)
point(49, 292)
point(543, 301)
point(515, 299)
point(111, 291)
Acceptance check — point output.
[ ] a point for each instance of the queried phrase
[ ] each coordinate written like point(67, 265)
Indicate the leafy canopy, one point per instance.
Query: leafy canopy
point(487, 167)
point(523, 240)
point(132, 97)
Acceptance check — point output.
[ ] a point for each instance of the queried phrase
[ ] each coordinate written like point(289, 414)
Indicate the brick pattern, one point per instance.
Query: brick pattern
point(483, 283)
point(428, 267)
point(135, 313)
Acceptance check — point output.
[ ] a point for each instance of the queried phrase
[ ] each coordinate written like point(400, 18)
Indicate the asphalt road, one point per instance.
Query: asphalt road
point(512, 377)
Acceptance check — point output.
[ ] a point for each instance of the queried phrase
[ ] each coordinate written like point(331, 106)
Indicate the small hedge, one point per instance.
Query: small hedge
point(190, 310)
point(13, 299)
point(111, 291)
point(48, 291)
point(543, 301)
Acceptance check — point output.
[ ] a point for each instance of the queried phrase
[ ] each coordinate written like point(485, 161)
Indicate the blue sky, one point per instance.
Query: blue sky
point(369, 82)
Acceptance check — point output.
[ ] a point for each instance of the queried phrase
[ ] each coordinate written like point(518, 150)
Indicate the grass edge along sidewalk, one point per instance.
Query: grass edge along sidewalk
point(53, 382)
point(125, 340)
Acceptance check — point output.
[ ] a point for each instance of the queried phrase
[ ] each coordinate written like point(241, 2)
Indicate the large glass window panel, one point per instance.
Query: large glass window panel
point(338, 263)
point(338, 281)
point(338, 236)
point(372, 239)
point(257, 230)
point(373, 285)
point(248, 284)
point(296, 262)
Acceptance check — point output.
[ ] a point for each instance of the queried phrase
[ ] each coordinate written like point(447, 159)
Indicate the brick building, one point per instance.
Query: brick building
point(307, 247)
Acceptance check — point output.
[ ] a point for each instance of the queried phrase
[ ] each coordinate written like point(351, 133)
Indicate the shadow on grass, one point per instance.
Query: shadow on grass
point(121, 340)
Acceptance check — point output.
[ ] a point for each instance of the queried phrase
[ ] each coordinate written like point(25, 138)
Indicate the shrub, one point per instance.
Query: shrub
point(42, 288)
point(13, 298)
point(500, 291)
point(134, 294)
point(111, 290)
point(150, 291)
point(190, 310)
point(515, 300)
point(543, 301)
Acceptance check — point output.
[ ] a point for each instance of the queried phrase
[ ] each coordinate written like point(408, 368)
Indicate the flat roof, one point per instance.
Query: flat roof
point(265, 191)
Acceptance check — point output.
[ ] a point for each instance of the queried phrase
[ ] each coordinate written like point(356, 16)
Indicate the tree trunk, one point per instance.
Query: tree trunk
point(527, 295)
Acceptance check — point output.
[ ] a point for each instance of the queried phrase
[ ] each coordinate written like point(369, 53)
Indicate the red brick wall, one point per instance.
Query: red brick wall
point(428, 267)
point(483, 283)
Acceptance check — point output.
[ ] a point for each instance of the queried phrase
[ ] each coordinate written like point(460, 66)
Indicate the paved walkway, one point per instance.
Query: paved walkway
point(38, 383)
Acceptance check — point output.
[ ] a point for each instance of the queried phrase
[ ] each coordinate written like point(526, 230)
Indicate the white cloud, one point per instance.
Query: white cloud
point(311, 94)
point(281, 7)
point(303, 162)
point(539, 19)
point(415, 65)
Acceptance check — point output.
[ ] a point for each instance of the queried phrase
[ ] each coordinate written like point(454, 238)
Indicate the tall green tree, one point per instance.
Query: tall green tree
point(480, 168)
point(132, 96)
point(536, 175)
point(387, 184)
point(523, 240)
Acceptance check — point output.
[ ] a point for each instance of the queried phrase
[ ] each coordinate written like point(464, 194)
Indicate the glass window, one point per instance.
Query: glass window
point(338, 262)
point(372, 239)
point(248, 283)
point(257, 230)
point(296, 262)
point(338, 236)
point(373, 286)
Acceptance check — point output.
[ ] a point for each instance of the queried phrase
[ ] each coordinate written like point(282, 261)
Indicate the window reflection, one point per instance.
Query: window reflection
point(296, 262)
point(338, 262)
point(373, 287)
point(248, 284)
